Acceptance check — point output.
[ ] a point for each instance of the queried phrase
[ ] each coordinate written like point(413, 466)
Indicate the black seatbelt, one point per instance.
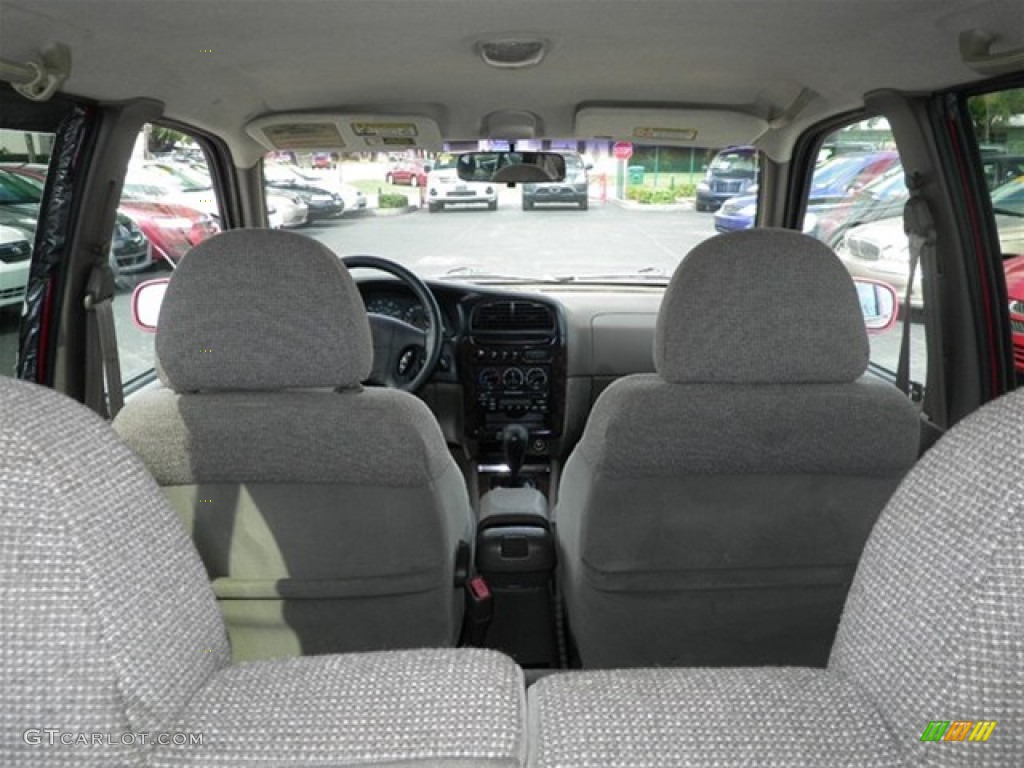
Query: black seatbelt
point(919, 225)
point(101, 361)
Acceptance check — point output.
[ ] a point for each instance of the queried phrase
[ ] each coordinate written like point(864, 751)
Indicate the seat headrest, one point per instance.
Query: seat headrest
point(761, 306)
point(260, 309)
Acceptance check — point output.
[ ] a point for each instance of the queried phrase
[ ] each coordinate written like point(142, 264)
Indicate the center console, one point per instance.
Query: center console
point(513, 368)
point(515, 554)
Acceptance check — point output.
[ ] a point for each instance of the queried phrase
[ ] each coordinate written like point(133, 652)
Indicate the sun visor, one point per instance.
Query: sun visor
point(345, 133)
point(672, 126)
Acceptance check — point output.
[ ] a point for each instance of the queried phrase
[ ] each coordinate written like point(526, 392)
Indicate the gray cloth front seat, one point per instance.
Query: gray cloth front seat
point(329, 517)
point(111, 642)
point(713, 513)
point(930, 650)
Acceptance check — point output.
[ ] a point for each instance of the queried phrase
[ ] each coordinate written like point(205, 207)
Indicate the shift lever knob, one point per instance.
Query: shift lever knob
point(515, 439)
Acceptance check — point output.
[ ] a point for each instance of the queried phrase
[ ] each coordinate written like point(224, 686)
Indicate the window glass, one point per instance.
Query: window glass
point(611, 219)
point(855, 206)
point(998, 119)
point(24, 158)
point(167, 206)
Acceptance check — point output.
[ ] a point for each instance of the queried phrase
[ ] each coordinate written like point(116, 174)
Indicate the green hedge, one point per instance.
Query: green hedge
point(392, 200)
point(650, 195)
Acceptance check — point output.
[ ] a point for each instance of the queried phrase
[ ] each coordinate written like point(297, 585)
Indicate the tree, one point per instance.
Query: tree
point(162, 139)
point(991, 113)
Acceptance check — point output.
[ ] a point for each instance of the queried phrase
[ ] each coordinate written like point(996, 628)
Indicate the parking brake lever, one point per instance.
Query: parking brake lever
point(515, 439)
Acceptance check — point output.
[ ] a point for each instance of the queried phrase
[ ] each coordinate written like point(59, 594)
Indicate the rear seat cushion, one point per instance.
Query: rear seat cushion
point(650, 718)
point(436, 708)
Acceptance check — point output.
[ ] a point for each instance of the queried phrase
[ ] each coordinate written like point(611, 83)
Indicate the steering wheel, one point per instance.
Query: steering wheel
point(404, 356)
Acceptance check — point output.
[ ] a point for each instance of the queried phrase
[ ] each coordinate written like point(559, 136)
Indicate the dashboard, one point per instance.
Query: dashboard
point(401, 306)
point(536, 358)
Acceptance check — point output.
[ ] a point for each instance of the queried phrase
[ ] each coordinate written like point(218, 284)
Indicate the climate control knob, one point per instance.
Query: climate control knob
point(536, 378)
point(488, 379)
point(513, 378)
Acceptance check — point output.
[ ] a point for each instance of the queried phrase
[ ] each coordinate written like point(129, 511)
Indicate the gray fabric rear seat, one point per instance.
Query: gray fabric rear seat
point(108, 626)
point(933, 630)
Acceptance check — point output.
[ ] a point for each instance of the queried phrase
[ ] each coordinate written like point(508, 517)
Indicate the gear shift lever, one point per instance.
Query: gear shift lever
point(514, 439)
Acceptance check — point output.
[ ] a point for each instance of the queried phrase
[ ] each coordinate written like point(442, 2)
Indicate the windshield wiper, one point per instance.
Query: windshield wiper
point(474, 275)
point(644, 275)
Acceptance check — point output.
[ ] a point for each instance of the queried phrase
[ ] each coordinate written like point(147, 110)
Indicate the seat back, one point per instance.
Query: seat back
point(934, 626)
point(107, 624)
point(714, 513)
point(329, 517)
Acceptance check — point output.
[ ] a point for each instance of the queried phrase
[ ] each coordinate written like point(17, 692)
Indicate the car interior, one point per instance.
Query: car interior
point(452, 479)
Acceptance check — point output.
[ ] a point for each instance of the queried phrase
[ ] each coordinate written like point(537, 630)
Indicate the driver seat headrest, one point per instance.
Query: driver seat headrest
point(260, 309)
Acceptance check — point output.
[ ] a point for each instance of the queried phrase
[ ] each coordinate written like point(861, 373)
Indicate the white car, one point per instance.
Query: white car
point(15, 258)
point(444, 187)
point(354, 198)
point(880, 250)
point(286, 211)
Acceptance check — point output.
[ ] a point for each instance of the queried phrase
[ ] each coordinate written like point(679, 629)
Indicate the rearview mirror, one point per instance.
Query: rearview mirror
point(511, 167)
point(146, 300)
point(878, 302)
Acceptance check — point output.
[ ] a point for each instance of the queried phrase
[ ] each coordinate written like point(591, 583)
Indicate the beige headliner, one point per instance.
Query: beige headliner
point(417, 56)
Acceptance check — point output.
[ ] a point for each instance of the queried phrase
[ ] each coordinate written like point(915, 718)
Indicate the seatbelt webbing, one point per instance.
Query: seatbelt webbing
point(919, 225)
point(101, 361)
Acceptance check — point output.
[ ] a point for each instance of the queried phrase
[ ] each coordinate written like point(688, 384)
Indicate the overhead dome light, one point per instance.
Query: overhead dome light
point(512, 54)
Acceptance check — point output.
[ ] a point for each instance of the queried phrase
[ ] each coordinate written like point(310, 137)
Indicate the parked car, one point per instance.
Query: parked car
point(283, 174)
point(832, 184)
point(184, 185)
point(286, 211)
point(412, 172)
point(732, 172)
point(444, 188)
point(353, 197)
point(15, 254)
point(880, 250)
point(573, 190)
point(19, 201)
point(130, 250)
point(321, 202)
point(999, 169)
point(887, 195)
point(324, 160)
point(1014, 267)
point(1008, 199)
point(171, 228)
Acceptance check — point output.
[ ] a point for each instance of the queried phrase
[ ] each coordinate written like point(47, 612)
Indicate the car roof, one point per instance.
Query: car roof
point(734, 71)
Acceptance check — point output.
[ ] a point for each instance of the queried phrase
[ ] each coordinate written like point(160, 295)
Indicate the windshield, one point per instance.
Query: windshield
point(1009, 198)
point(181, 177)
point(734, 163)
point(145, 185)
point(606, 221)
point(890, 186)
point(15, 190)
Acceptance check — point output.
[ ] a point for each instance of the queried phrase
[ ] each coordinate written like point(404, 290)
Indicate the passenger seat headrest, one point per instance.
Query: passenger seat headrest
point(260, 309)
point(761, 306)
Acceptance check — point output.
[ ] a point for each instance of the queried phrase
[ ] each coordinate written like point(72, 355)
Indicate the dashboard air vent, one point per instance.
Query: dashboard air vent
point(512, 316)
